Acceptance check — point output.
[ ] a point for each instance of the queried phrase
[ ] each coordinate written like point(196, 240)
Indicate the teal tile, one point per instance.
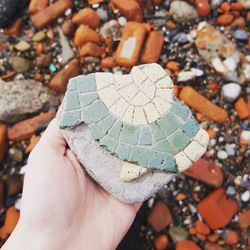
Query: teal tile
point(70, 118)
point(71, 101)
point(169, 123)
point(191, 127)
point(115, 131)
point(155, 159)
point(86, 83)
point(157, 134)
point(109, 143)
point(163, 146)
point(72, 85)
point(180, 109)
point(169, 164)
point(87, 98)
point(95, 112)
point(123, 151)
point(145, 137)
point(139, 155)
point(179, 140)
point(130, 134)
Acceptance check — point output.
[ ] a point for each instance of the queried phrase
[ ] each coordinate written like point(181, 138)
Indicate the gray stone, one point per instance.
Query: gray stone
point(19, 64)
point(182, 11)
point(111, 29)
point(178, 234)
point(20, 98)
point(241, 35)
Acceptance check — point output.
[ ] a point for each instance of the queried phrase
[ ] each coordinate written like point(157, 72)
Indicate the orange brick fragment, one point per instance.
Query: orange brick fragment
point(225, 19)
point(11, 219)
point(26, 128)
point(88, 17)
point(33, 141)
point(173, 66)
point(95, 1)
point(49, 14)
point(213, 237)
point(202, 227)
point(153, 46)
point(130, 46)
point(232, 237)
point(108, 62)
point(186, 245)
point(3, 140)
point(241, 108)
point(91, 49)
point(244, 219)
point(37, 5)
point(201, 104)
point(129, 8)
point(216, 209)
point(84, 34)
point(161, 242)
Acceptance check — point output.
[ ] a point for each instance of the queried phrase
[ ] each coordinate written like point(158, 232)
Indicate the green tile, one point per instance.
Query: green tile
point(130, 134)
point(169, 123)
point(163, 146)
point(139, 155)
point(87, 98)
point(157, 134)
point(70, 118)
point(155, 159)
point(108, 143)
point(71, 101)
point(123, 151)
point(115, 131)
point(145, 137)
point(179, 140)
point(180, 109)
point(86, 83)
point(191, 127)
point(169, 164)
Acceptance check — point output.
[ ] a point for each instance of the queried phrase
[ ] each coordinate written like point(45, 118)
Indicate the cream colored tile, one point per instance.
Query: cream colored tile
point(103, 79)
point(148, 88)
point(122, 80)
point(131, 171)
point(154, 72)
point(202, 137)
point(182, 161)
point(151, 113)
point(194, 150)
point(109, 95)
point(139, 117)
point(128, 92)
point(140, 99)
point(161, 105)
point(165, 94)
point(165, 82)
point(138, 76)
point(128, 115)
point(119, 108)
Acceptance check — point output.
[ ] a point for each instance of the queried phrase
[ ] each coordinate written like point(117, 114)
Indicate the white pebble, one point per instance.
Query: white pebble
point(23, 169)
point(230, 148)
point(230, 190)
point(232, 62)
point(197, 72)
point(230, 91)
point(245, 136)
point(184, 76)
point(245, 196)
point(122, 21)
point(222, 154)
point(18, 204)
point(68, 12)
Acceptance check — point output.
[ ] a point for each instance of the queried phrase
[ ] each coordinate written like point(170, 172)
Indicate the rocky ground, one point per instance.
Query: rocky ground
point(204, 45)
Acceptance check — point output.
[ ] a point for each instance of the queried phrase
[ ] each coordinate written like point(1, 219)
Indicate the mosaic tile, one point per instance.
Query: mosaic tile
point(70, 119)
point(190, 127)
point(115, 130)
point(72, 85)
point(145, 137)
point(130, 134)
point(169, 164)
point(96, 111)
point(87, 98)
point(87, 84)
point(163, 146)
point(123, 151)
point(157, 133)
point(109, 143)
point(139, 155)
point(180, 109)
point(155, 159)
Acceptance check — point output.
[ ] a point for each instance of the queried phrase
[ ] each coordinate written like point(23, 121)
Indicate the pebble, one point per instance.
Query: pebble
point(103, 14)
point(185, 76)
point(122, 21)
point(222, 155)
point(231, 62)
point(230, 190)
point(178, 233)
point(18, 204)
point(197, 72)
point(181, 38)
point(230, 149)
point(15, 154)
point(231, 91)
point(19, 64)
point(39, 36)
point(245, 196)
point(22, 46)
point(241, 35)
point(245, 136)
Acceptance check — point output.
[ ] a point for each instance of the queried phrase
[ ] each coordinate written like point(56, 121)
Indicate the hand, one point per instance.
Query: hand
point(62, 208)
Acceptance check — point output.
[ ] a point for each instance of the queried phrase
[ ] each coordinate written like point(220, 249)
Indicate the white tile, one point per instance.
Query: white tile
point(103, 79)
point(128, 115)
point(140, 99)
point(202, 137)
point(194, 150)
point(161, 105)
point(128, 92)
point(154, 71)
point(182, 161)
point(109, 95)
point(139, 117)
point(148, 88)
point(165, 82)
point(122, 80)
point(131, 171)
point(165, 94)
point(151, 113)
point(138, 76)
point(119, 108)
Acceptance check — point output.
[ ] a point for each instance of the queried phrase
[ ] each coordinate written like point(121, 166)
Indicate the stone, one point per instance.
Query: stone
point(225, 19)
point(130, 46)
point(178, 234)
point(245, 196)
point(22, 98)
point(173, 66)
point(19, 64)
point(216, 209)
point(245, 3)
point(50, 13)
point(160, 216)
point(230, 91)
point(88, 17)
point(11, 219)
point(59, 82)
point(202, 227)
point(33, 141)
point(241, 108)
point(14, 29)
point(68, 28)
point(200, 103)
point(222, 155)
point(26, 128)
point(241, 35)
point(91, 49)
point(182, 11)
point(39, 36)
point(161, 242)
point(9, 11)
point(37, 5)
point(185, 76)
point(15, 154)
point(186, 245)
point(14, 185)
point(202, 7)
point(213, 246)
point(232, 237)
point(22, 46)
point(130, 9)
point(103, 14)
point(3, 140)
point(245, 136)
point(111, 31)
point(244, 218)
point(43, 60)
point(108, 62)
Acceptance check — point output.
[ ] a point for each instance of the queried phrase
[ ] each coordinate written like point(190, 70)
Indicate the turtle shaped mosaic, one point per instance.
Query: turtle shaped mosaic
point(136, 118)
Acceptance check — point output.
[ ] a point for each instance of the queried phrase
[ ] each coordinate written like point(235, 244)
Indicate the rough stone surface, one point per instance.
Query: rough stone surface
point(24, 97)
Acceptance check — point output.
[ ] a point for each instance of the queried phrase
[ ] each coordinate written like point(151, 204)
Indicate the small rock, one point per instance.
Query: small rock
point(14, 185)
point(43, 60)
point(232, 237)
point(213, 246)
point(182, 11)
point(231, 62)
point(245, 3)
point(185, 76)
point(19, 64)
point(231, 91)
point(222, 154)
point(241, 108)
point(91, 49)
point(103, 14)
point(181, 38)
point(3, 140)
point(245, 136)
point(178, 233)
point(159, 216)
point(244, 218)
point(108, 62)
point(186, 245)
point(230, 148)
point(111, 30)
point(225, 19)
point(197, 72)
point(230, 190)
point(202, 227)
point(18, 204)
point(215, 3)
point(202, 7)
point(37, 5)
point(68, 28)
point(15, 154)
point(245, 196)
point(241, 35)
point(39, 36)
point(122, 21)
point(161, 242)
point(22, 46)
point(2, 192)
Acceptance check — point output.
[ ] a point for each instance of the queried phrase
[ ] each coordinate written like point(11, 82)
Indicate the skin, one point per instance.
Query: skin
point(62, 208)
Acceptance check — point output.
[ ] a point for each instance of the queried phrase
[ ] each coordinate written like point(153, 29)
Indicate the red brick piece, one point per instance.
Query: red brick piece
point(3, 140)
point(186, 245)
point(26, 128)
point(129, 8)
point(216, 209)
point(161, 242)
point(202, 7)
point(232, 237)
point(153, 46)
point(49, 14)
point(241, 108)
point(159, 216)
point(202, 227)
point(244, 219)
point(37, 5)
point(207, 172)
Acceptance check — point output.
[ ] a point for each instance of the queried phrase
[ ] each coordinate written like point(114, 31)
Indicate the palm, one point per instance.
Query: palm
point(67, 200)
